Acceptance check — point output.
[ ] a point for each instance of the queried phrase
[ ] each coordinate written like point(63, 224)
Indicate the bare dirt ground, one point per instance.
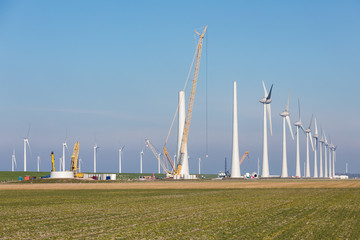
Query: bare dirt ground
point(189, 185)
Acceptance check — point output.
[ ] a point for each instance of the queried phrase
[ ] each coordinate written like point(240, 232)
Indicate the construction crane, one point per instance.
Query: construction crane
point(74, 161)
point(53, 161)
point(243, 157)
point(157, 156)
point(191, 101)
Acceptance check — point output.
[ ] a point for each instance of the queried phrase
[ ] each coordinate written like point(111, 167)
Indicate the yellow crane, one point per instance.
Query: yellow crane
point(243, 157)
point(74, 161)
point(163, 163)
point(53, 161)
point(191, 102)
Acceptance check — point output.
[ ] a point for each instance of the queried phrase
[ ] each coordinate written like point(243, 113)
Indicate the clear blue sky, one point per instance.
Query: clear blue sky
point(109, 72)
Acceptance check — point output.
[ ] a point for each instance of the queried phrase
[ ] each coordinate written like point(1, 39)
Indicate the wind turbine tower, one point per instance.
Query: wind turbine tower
point(64, 146)
point(141, 154)
point(266, 100)
point(181, 125)
point(308, 136)
point(120, 157)
point(334, 159)
point(321, 141)
point(235, 166)
point(330, 160)
point(325, 157)
point(38, 163)
point(95, 153)
point(13, 161)
point(298, 125)
point(316, 137)
point(286, 118)
point(199, 165)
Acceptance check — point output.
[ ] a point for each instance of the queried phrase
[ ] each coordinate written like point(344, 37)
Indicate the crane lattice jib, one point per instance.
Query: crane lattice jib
point(191, 101)
point(157, 156)
point(243, 157)
point(74, 159)
point(167, 155)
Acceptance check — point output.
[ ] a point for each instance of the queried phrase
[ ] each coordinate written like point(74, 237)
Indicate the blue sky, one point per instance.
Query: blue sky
point(109, 72)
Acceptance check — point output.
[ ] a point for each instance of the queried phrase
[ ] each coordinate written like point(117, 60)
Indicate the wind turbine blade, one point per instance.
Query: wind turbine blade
point(29, 149)
point(299, 109)
point(287, 105)
point(316, 129)
point(302, 127)
point(289, 124)
point(268, 109)
point(312, 116)
point(264, 89)
point(269, 96)
point(312, 144)
point(66, 146)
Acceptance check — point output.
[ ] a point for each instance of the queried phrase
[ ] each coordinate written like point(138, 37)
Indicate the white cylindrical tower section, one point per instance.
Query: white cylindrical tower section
point(235, 166)
point(181, 125)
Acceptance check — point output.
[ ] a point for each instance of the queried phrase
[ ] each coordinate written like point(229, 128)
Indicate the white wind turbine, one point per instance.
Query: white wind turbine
point(316, 137)
point(38, 163)
point(26, 142)
point(330, 146)
point(120, 157)
point(298, 125)
point(326, 144)
point(334, 159)
point(80, 161)
point(95, 153)
point(321, 141)
point(13, 161)
point(141, 154)
point(64, 146)
point(308, 136)
point(286, 117)
point(266, 100)
point(199, 165)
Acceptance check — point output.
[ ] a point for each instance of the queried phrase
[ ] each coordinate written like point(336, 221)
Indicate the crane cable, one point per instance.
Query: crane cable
point(177, 109)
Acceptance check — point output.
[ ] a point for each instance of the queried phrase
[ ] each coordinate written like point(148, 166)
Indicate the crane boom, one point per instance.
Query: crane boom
point(191, 101)
point(157, 155)
point(243, 157)
point(74, 159)
point(53, 161)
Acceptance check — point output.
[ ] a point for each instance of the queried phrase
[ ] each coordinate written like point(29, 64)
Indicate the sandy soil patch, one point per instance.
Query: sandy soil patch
point(189, 185)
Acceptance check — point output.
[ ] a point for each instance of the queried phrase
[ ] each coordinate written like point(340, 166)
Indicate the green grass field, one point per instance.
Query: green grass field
point(181, 214)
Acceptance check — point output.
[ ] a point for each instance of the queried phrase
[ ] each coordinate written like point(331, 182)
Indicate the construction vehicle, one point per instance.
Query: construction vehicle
point(74, 161)
point(53, 161)
point(177, 170)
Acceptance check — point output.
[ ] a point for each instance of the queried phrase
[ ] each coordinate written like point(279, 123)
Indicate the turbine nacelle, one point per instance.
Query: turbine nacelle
point(264, 100)
point(298, 123)
point(285, 114)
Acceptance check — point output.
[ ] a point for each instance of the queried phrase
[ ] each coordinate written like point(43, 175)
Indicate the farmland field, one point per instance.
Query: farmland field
point(218, 213)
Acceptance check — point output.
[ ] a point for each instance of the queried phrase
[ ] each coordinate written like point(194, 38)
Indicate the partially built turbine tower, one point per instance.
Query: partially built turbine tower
point(235, 166)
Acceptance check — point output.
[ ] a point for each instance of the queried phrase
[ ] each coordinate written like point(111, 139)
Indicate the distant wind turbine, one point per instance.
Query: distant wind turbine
point(95, 152)
point(120, 157)
point(13, 161)
point(266, 100)
point(141, 154)
point(26, 142)
point(298, 125)
point(286, 117)
point(316, 137)
point(38, 163)
point(308, 136)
